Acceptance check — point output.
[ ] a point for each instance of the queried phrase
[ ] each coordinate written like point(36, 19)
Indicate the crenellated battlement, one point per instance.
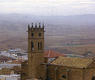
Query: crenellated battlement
point(35, 26)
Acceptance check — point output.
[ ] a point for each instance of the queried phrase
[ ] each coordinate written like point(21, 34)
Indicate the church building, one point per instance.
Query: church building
point(61, 68)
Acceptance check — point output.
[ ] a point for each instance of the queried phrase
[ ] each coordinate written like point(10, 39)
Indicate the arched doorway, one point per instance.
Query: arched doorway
point(93, 78)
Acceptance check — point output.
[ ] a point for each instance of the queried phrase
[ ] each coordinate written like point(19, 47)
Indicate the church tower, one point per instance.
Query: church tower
point(36, 51)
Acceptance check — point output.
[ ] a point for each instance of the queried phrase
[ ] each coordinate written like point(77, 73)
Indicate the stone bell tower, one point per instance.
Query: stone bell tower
point(36, 51)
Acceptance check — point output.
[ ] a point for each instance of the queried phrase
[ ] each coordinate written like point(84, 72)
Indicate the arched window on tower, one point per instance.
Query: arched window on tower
point(32, 34)
point(39, 45)
point(40, 34)
point(32, 46)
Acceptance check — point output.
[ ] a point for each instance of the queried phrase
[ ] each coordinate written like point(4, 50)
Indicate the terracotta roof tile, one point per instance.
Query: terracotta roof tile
point(52, 54)
point(73, 62)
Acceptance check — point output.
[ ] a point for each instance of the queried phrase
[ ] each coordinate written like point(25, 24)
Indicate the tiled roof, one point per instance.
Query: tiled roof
point(73, 62)
point(4, 58)
point(52, 54)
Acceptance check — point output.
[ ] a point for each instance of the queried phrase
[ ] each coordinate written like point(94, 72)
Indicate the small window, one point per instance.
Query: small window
point(63, 76)
point(93, 78)
point(40, 34)
point(32, 34)
point(24, 74)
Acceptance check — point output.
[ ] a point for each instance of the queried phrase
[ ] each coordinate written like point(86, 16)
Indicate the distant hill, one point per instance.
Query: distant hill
point(60, 30)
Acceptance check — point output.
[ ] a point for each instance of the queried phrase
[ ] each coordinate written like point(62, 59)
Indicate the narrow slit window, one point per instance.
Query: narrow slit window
point(38, 46)
point(32, 34)
point(32, 46)
point(41, 45)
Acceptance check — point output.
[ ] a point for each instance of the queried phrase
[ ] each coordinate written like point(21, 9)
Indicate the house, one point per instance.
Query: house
point(68, 68)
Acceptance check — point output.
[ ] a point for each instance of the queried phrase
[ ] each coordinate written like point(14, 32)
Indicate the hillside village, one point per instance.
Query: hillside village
point(13, 58)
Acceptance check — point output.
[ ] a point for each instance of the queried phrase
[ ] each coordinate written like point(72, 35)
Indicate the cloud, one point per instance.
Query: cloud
point(48, 7)
point(9, 0)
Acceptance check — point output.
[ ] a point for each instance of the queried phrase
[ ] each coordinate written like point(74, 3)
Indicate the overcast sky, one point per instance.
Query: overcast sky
point(48, 7)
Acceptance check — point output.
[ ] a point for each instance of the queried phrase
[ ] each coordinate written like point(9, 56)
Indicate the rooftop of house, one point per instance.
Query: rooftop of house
point(52, 54)
point(75, 62)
